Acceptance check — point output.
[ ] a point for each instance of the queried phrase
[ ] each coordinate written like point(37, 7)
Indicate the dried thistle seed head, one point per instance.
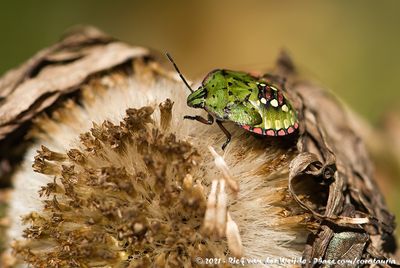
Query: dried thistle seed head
point(99, 211)
point(132, 187)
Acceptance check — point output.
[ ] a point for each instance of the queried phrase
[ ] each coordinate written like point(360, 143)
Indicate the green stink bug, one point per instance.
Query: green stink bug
point(256, 104)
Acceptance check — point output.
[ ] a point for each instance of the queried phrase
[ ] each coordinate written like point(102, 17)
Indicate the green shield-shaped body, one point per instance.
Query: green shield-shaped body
point(255, 104)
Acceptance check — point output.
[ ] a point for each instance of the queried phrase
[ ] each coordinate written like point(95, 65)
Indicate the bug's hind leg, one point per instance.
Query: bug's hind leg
point(226, 132)
point(208, 121)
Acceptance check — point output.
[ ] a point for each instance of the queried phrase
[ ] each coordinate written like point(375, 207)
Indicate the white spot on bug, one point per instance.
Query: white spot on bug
point(278, 124)
point(285, 108)
point(262, 84)
point(263, 100)
point(274, 88)
point(274, 103)
point(286, 123)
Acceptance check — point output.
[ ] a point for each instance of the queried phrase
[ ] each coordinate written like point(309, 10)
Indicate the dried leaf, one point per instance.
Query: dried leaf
point(333, 156)
point(56, 71)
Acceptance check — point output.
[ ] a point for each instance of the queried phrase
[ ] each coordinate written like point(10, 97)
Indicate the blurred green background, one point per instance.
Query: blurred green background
point(351, 47)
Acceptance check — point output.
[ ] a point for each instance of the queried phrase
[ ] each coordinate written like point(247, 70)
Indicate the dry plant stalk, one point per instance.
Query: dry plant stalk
point(122, 181)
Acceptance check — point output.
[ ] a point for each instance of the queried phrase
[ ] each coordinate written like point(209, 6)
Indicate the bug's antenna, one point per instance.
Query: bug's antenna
point(179, 72)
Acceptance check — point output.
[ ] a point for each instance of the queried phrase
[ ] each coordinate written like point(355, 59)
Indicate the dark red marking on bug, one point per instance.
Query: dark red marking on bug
point(280, 98)
point(281, 132)
point(267, 93)
point(258, 130)
point(264, 92)
point(270, 132)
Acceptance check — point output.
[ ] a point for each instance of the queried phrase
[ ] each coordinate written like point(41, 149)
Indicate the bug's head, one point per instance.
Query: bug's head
point(197, 98)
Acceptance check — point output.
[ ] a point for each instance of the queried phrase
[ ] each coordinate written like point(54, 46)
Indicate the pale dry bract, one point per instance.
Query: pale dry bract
point(113, 169)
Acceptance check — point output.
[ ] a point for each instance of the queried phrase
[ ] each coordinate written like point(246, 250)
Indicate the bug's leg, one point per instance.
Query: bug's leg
point(226, 132)
point(208, 121)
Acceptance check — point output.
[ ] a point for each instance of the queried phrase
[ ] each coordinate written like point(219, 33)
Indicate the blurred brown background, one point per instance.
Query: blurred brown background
point(351, 47)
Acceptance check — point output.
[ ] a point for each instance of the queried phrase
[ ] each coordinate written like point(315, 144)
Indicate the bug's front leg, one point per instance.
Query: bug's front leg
point(208, 121)
point(226, 132)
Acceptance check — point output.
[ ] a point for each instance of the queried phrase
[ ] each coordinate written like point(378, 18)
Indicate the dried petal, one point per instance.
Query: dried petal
point(233, 237)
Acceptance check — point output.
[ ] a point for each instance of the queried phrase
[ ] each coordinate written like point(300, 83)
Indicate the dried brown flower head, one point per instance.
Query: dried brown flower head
point(132, 190)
